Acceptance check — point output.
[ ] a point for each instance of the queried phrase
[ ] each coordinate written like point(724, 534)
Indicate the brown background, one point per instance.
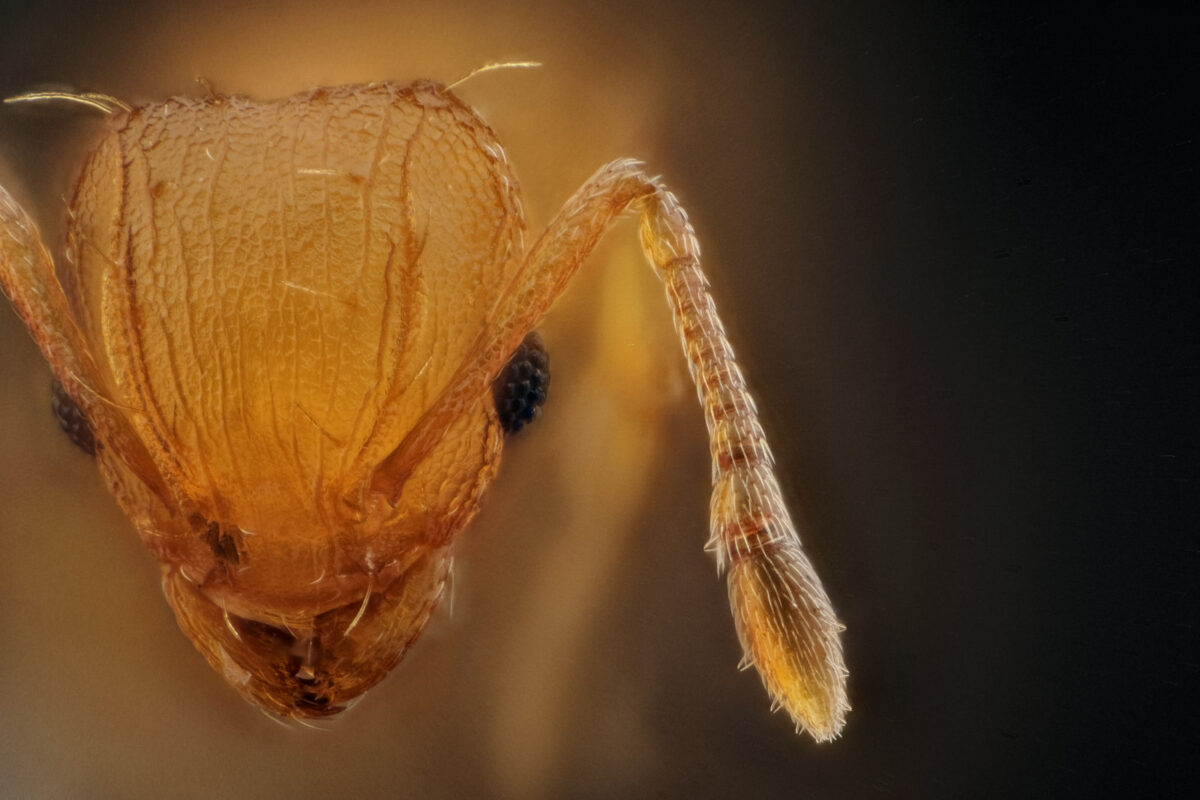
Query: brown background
point(956, 251)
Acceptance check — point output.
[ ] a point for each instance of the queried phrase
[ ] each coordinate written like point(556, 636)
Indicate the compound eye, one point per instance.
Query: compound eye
point(520, 390)
point(71, 419)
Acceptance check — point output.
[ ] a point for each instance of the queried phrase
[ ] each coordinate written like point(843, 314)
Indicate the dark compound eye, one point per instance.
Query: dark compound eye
point(520, 391)
point(71, 419)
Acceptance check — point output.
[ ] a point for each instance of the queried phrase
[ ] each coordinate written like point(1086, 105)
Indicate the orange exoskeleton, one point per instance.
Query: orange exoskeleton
point(283, 322)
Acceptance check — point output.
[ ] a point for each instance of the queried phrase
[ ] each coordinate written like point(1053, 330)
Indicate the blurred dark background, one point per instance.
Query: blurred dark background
point(957, 249)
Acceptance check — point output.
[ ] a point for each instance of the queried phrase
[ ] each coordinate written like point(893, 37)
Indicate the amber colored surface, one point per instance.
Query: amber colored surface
point(283, 290)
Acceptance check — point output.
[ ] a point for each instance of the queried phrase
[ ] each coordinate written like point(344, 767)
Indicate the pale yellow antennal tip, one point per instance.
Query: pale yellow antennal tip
point(103, 103)
point(493, 67)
